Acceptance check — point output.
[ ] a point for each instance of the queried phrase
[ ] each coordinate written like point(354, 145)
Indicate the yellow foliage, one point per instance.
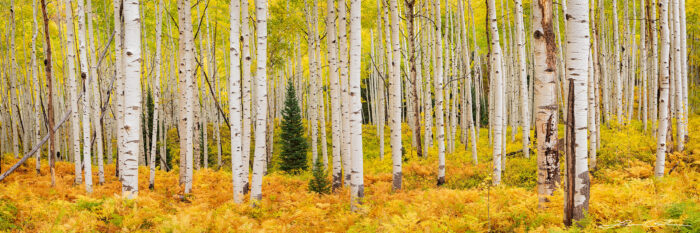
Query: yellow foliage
point(625, 196)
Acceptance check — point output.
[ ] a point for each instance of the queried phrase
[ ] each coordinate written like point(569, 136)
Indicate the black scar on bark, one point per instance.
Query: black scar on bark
point(440, 181)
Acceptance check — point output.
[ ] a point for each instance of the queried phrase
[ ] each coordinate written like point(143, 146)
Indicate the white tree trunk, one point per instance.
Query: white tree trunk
point(261, 101)
point(395, 97)
point(577, 58)
point(678, 76)
point(617, 62)
point(335, 93)
point(35, 87)
point(524, 95)
point(235, 103)
point(496, 65)
point(346, 149)
point(132, 98)
point(545, 101)
point(156, 97)
point(247, 97)
point(663, 90)
point(96, 100)
point(439, 115)
point(357, 190)
point(187, 119)
point(75, 121)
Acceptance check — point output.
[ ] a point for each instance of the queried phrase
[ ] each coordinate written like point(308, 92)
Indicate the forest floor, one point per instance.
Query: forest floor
point(624, 196)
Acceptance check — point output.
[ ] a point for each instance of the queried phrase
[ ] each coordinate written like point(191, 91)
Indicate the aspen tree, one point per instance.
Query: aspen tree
point(49, 85)
point(14, 108)
point(546, 119)
point(82, 41)
point(467, 84)
point(96, 100)
point(357, 192)
point(677, 76)
point(381, 108)
point(247, 97)
point(413, 73)
point(663, 90)
point(343, 61)
point(617, 63)
point(496, 65)
point(235, 102)
point(524, 95)
point(395, 97)
point(332, 44)
point(35, 89)
point(156, 97)
point(187, 119)
point(132, 97)
point(261, 101)
point(439, 115)
point(577, 58)
point(75, 121)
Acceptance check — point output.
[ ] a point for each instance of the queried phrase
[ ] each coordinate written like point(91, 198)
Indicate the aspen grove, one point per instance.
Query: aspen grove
point(349, 115)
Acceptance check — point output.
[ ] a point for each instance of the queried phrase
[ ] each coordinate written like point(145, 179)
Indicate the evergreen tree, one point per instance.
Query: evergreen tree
point(319, 183)
point(293, 142)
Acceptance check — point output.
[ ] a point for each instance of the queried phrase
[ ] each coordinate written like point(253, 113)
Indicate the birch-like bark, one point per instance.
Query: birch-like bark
point(156, 97)
point(96, 101)
point(546, 119)
point(439, 99)
point(75, 121)
point(82, 48)
point(346, 149)
point(247, 97)
point(395, 97)
point(577, 58)
point(663, 90)
point(261, 101)
point(119, 68)
point(186, 47)
point(50, 96)
point(15, 113)
point(357, 190)
point(332, 43)
point(35, 89)
point(132, 98)
point(469, 115)
point(235, 103)
point(617, 63)
point(524, 95)
point(678, 76)
point(496, 65)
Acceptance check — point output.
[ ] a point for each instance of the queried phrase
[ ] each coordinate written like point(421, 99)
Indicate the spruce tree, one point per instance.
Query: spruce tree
point(319, 183)
point(292, 138)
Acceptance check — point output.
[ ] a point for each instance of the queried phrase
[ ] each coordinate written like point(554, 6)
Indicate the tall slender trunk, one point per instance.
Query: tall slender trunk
point(395, 97)
point(186, 48)
point(617, 62)
point(332, 43)
point(132, 98)
point(49, 86)
point(96, 101)
point(156, 97)
point(35, 88)
point(524, 95)
point(414, 81)
point(663, 90)
point(678, 76)
point(496, 65)
point(247, 97)
point(346, 149)
point(235, 103)
point(261, 101)
point(357, 190)
point(73, 83)
point(439, 115)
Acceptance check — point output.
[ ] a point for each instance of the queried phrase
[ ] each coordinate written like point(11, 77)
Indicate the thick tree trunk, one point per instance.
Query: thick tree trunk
point(247, 97)
point(546, 119)
point(235, 103)
point(577, 58)
point(439, 115)
point(187, 119)
point(346, 148)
